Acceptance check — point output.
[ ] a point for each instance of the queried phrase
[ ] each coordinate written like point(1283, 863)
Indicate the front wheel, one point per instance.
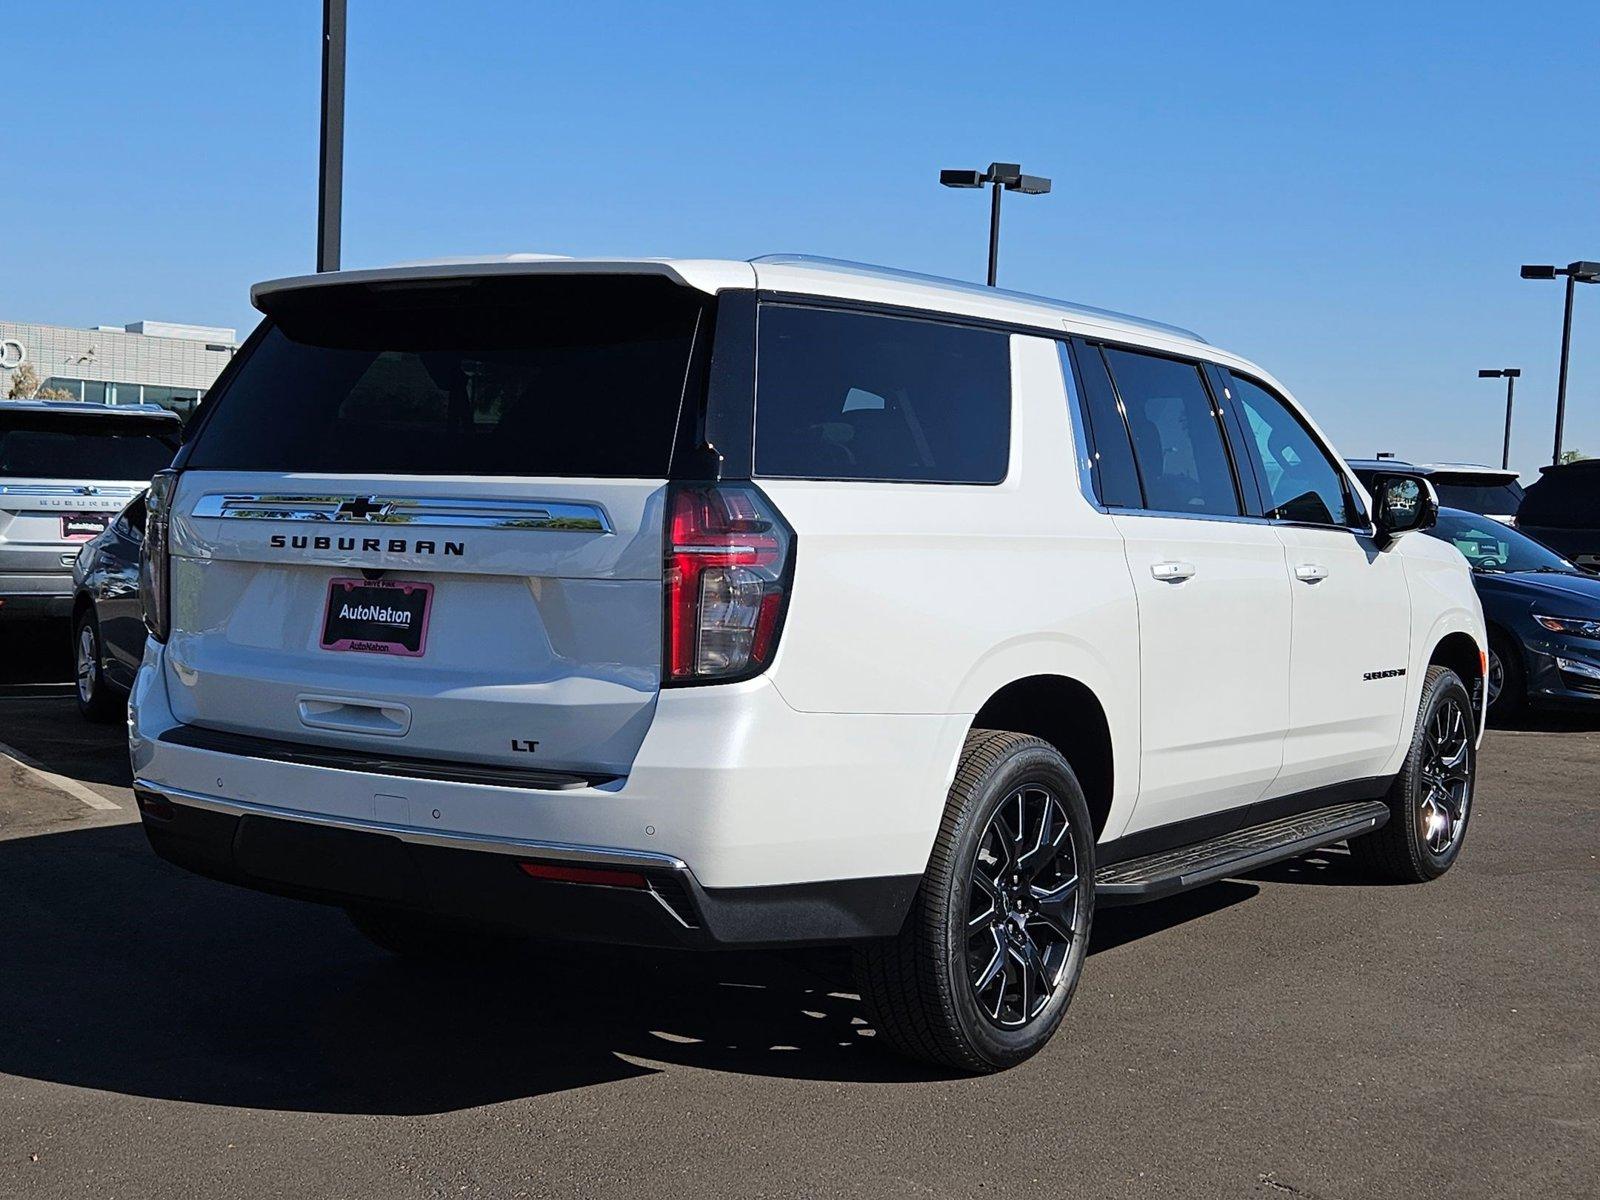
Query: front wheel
point(981, 974)
point(1431, 799)
point(1506, 685)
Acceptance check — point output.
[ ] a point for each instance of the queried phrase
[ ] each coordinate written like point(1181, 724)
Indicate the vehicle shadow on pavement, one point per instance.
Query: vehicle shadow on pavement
point(127, 975)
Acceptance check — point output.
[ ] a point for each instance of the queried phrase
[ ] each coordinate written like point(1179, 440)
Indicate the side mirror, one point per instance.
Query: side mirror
point(1403, 504)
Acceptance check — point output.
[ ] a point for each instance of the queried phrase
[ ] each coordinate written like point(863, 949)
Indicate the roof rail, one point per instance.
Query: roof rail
point(870, 270)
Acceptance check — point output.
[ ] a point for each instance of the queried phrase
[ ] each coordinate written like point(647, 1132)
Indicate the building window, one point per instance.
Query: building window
point(59, 388)
point(125, 393)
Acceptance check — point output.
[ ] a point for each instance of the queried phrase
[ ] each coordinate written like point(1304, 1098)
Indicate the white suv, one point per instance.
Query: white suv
point(66, 469)
point(704, 603)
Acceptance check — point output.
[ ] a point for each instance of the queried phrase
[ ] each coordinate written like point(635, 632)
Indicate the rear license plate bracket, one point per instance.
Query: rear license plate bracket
point(377, 616)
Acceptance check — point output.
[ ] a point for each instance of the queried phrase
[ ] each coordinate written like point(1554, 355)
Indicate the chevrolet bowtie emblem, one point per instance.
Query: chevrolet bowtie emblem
point(362, 508)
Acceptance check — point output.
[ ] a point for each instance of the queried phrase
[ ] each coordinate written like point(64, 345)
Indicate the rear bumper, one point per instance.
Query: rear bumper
point(776, 826)
point(38, 595)
point(366, 863)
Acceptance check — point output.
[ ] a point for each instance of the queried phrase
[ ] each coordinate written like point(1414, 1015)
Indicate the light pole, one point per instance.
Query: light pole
point(1005, 177)
point(1578, 272)
point(1510, 375)
point(330, 169)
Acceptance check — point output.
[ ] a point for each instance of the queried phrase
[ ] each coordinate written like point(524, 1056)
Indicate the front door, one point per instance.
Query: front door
point(1351, 607)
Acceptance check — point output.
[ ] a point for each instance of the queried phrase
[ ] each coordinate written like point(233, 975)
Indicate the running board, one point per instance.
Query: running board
point(1161, 874)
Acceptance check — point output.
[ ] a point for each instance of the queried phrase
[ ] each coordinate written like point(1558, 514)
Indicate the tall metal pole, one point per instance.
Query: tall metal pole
point(994, 235)
point(1505, 453)
point(330, 174)
point(1561, 385)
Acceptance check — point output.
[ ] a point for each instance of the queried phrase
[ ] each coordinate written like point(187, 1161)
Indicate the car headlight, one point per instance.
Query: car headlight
point(1585, 627)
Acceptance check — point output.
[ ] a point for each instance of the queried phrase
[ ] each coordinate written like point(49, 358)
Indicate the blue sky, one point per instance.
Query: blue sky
point(1341, 192)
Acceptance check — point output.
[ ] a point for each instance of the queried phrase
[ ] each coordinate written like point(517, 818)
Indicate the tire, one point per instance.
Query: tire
point(1512, 697)
point(1414, 847)
point(924, 989)
point(97, 700)
point(427, 938)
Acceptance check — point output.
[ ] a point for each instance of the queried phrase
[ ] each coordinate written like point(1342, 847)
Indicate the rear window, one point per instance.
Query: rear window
point(1492, 499)
point(45, 446)
point(560, 375)
point(1563, 499)
point(847, 395)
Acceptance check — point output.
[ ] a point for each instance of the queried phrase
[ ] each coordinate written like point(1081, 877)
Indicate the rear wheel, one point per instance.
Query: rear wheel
point(1430, 801)
point(425, 937)
point(96, 699)
point(985, 966)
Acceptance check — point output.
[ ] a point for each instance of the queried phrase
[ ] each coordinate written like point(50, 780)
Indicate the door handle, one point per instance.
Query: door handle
point(1311, 573)
point(1172, 572)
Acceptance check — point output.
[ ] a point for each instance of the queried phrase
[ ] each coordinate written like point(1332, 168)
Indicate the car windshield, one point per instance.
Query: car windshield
point(1490, 546)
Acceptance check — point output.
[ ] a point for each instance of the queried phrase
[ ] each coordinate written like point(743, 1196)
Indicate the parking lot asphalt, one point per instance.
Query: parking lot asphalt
point(1297, 1033)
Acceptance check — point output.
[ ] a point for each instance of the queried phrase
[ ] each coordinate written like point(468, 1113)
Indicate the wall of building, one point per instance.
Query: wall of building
point(119, 365)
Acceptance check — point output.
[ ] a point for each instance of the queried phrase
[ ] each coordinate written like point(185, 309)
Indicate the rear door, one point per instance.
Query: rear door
point(428, 522)
point(1212, 593)
point(1351, 604)
point(65, 471)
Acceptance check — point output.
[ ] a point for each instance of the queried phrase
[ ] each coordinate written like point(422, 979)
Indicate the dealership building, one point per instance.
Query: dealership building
point(149, 362)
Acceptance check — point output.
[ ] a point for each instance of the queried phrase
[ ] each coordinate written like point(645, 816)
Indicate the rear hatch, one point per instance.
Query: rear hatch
point(66, 469)
point(425, 520)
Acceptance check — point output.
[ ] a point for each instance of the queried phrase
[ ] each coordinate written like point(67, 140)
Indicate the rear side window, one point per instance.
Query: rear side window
point(1177, 438)
point(1301, 482)
point(846, 395)
point(1110, 457)
point(558, 375)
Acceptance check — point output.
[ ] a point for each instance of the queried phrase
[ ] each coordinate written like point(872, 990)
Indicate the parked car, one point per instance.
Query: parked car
point(1562, 509)
point(66, 468)
point(1542, 612)
point(107, 622)
point(701, 604)
point(1489, 491)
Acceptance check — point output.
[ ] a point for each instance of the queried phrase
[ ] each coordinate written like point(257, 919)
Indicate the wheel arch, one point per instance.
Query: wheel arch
point(1066, 713)
point(1464, 654)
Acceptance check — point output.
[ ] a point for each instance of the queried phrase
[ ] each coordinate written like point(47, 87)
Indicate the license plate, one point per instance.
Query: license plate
point(82, 527)
point(377, 616)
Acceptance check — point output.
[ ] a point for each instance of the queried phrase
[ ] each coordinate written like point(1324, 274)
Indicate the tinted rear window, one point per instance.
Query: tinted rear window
point(846, 395)
point(1499, 499)
point(546, 376)
point(1563, 499)
point(47, 447)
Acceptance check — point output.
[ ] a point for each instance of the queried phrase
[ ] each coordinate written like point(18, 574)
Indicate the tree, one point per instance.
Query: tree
point(1572, 456)
point(24, 384)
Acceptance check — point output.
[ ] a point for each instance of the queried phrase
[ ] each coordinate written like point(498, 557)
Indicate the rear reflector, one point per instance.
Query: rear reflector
point(598, 876)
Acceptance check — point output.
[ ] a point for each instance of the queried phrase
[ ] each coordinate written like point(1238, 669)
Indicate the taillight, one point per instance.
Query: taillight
point(155, 577)
point(728, 566)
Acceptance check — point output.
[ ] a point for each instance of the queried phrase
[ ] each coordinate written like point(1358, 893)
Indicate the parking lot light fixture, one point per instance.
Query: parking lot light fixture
point(1002, 177)
point(1510, 375)
point(1582, 271)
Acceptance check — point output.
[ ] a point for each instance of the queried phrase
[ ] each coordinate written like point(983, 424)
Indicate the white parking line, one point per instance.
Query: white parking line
point(70, 786)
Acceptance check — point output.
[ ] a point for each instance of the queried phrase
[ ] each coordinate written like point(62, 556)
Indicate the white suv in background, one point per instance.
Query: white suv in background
point(66, 469)
point(705, 603)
